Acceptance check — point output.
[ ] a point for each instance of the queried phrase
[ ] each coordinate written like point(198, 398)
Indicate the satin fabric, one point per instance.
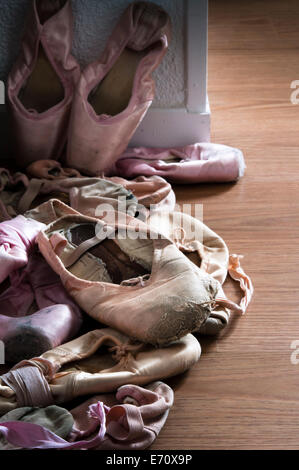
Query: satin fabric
point(18, 193)
point(135, 418)
point(197, 163)
point(202, 245)
point(94, 196)
point(208, 251)
point(132, 421)
point(174, 300)
point(96, 141)
point(43, 135)
point(152, 192)
point(12, 186)
point(53, 418)
point(36, 311)
point(99, 362)
point(17, 239)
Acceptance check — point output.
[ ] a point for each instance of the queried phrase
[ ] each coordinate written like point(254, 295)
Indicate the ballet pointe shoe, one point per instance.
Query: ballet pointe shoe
point(26, 337)
point(41, 84)
point(115, 92)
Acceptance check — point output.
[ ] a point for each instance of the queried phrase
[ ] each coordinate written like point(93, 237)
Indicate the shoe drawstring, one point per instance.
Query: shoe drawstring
point(123, 352)
point(136, 280)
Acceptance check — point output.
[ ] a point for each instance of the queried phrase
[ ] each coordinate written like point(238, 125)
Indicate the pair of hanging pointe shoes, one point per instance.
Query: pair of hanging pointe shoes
point(95, 112)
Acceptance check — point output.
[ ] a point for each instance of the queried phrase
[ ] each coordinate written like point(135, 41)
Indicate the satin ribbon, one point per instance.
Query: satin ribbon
point(33, 436)
point(30, 386)
point(237, 274)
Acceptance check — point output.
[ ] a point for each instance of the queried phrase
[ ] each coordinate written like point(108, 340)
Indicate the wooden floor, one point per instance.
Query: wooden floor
point(244, 392)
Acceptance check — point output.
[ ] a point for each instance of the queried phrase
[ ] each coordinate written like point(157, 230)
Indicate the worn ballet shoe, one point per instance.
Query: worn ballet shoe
point(98, 362)
point(18, 194)
point(113, 268)
point(37, 313)
point(197, 163)
point(41, 83)
point(208, 251)
point(29, 336)
point(152, 192)
point(115, 92)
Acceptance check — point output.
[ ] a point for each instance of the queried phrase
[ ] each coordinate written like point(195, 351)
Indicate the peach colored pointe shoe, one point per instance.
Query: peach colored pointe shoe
point(108, 271)
point(41, 83)
point(98, 362)
point(115, 92)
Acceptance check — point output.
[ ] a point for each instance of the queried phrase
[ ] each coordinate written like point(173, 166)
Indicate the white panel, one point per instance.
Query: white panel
point(2, 93)
point(197, 51)
point(191, 122)
point(172, 128)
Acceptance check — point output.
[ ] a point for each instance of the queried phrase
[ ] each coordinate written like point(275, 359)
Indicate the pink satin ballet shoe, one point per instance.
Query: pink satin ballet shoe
point(37, 314)
point(165, 296)
point(197, 163)
point(25, 337)
point(115, 92)
point(41, 83)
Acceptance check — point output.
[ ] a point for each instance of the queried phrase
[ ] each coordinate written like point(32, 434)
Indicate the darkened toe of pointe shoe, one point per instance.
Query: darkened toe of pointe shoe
point(25, 342)
point(31, 335)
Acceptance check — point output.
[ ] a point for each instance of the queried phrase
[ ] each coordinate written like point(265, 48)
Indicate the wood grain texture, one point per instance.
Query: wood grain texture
point(244, 391)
